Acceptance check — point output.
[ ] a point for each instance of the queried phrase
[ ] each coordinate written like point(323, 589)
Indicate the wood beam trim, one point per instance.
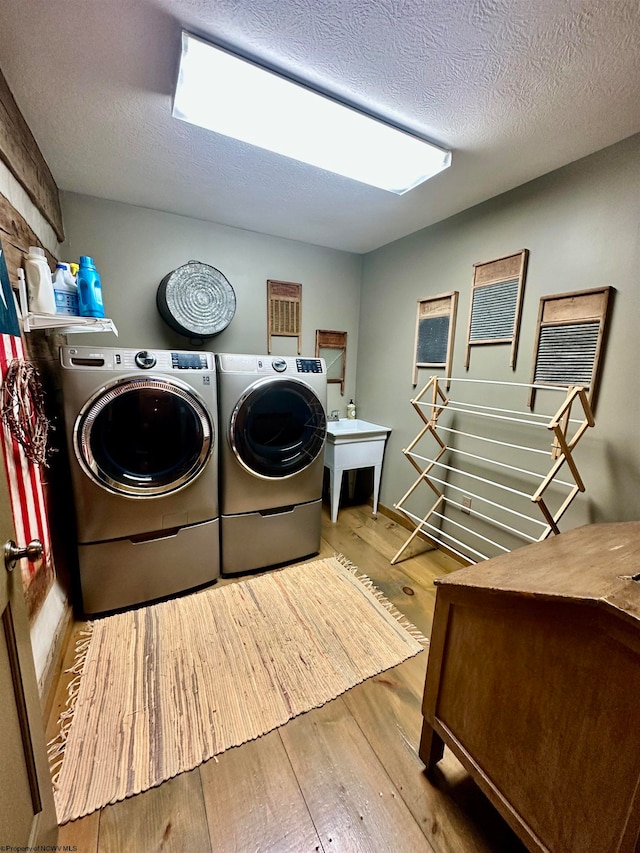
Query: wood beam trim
point(19, 151)
point(17, 236)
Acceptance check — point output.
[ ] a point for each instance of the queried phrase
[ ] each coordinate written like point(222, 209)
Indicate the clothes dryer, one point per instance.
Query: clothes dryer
point(141, 429)
point(273, 418)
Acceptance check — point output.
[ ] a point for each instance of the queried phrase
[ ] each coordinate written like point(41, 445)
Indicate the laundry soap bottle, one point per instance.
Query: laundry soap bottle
point(65, 291)
point(351, 410)
point(89, 289)
point(39, 282)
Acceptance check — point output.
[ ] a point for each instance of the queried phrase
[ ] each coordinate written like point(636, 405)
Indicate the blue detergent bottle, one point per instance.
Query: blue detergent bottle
point(89, 289)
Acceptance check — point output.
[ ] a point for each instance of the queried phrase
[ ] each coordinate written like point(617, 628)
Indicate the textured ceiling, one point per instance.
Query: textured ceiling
point(515, 88)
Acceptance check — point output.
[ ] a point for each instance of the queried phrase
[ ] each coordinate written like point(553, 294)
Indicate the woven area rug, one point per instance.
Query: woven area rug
point(160, 689)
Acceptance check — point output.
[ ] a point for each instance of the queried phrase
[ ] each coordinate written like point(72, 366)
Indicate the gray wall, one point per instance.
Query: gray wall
point(134, 248)
point(581, 225)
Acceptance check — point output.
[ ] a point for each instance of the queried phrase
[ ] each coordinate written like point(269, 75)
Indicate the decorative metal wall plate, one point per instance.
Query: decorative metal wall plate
point(435, 330)
point(496, 303)
point(284, 311)
point(196, 300)
point(569, 339)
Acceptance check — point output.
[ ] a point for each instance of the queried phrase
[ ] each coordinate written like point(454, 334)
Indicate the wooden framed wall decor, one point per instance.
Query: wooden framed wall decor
point(435, 327)
point(569, 339)
point(284, 311)
point(496, 303)
point(332, 346)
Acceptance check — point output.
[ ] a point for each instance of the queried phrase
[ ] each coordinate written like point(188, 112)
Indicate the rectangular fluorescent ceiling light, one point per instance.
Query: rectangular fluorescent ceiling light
point(234, 97)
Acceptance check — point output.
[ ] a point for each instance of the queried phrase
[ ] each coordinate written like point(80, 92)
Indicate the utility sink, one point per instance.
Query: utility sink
point(353, 443)
point(354, 428)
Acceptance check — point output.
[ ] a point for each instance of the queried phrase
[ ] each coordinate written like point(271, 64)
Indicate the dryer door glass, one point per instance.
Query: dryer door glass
point(144, 437)
point(278, 428)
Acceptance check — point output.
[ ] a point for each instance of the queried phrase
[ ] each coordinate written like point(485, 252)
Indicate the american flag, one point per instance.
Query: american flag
point(26, 489)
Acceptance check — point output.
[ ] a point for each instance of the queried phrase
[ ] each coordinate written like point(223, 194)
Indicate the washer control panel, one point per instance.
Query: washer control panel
point(309, 365)
point(145, 360)
point(111, 358)
point(189, 361)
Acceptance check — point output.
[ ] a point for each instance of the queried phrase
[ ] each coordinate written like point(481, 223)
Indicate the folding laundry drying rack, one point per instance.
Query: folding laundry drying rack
point(456, 467)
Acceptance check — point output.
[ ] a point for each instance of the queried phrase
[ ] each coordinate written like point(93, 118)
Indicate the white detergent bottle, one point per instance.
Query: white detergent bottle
point(65, 291)
point(39, 282)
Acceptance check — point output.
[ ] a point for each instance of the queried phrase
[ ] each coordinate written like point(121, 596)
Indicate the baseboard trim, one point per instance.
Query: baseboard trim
point(403, 521)
point(53, 671)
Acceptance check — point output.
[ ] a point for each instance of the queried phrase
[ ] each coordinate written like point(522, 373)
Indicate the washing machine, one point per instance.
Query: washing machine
point(273, 427)
point(141, 430)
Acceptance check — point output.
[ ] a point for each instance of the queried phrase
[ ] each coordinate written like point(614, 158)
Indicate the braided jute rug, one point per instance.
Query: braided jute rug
point(160, 689)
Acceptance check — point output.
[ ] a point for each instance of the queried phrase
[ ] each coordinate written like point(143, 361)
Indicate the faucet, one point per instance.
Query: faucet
point(335, 415)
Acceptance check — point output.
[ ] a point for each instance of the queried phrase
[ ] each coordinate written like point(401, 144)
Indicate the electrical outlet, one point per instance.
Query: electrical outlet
point(466, 505)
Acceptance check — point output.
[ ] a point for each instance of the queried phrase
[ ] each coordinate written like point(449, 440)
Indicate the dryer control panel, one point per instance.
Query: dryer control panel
point(269, 364)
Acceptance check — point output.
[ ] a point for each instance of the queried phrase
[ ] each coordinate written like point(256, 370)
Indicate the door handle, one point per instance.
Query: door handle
point(13, 553)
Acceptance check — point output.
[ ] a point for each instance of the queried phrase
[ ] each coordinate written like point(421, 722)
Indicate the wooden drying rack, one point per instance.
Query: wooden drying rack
point(565, 434)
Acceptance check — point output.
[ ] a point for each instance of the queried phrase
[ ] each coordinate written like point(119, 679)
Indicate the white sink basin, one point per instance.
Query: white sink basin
point(354, 428)
point(351, 444)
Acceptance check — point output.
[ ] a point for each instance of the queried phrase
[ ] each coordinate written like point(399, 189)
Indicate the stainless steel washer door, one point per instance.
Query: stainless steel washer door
point(277, 428)
point(143, 437)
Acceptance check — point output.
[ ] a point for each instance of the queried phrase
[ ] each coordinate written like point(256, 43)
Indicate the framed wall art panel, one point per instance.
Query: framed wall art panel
point(496, 303)
point(435, 329)
point(284, 311)
point(332, 346)
point(569, 338)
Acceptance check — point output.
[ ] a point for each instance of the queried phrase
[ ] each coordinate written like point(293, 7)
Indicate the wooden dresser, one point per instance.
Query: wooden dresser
point(533, 682)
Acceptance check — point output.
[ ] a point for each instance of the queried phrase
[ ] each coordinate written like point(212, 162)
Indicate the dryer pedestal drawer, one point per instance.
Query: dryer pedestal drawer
point(254, 540)
point(122, 572)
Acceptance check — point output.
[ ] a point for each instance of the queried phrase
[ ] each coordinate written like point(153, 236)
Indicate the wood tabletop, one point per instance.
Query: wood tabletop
point(596, 562)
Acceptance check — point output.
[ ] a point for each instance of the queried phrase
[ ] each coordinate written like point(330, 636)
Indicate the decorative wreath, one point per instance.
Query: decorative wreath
point(22, 410)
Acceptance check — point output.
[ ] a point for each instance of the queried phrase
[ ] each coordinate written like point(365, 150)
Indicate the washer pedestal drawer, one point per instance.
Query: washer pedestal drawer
point(123, 572)
point(255, 540)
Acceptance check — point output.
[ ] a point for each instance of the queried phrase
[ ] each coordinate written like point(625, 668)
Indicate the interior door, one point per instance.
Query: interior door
point(27, 811)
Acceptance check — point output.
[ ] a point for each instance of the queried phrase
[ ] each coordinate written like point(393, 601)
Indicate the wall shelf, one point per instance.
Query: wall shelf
point(67, 325)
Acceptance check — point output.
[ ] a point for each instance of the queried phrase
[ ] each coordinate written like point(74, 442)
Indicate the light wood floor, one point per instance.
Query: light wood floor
point(343, 778)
